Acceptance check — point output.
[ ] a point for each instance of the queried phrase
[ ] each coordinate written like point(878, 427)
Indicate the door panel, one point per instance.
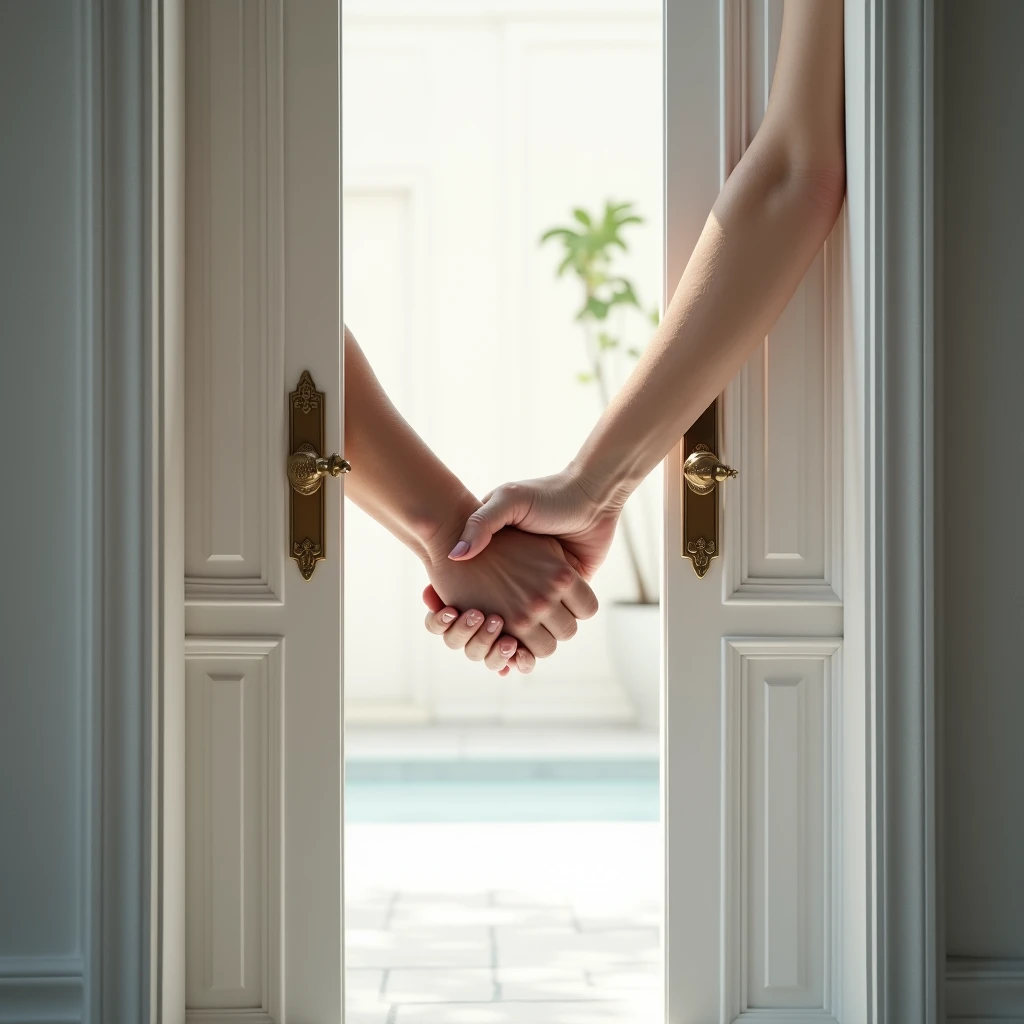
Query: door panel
point(753, 649)
point(263, 744)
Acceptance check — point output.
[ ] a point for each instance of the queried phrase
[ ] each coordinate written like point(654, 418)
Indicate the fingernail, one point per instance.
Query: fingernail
point(507, 649)
point(474, 619)
point(492, 626)
point(459, 550)
point(448, 616)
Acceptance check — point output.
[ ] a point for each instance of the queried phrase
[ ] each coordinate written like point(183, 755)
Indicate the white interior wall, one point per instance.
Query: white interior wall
point(469, 128)
point(983, 548)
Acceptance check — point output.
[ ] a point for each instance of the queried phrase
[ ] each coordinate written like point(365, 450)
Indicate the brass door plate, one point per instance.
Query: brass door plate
point(307, 543)
point(700, 511)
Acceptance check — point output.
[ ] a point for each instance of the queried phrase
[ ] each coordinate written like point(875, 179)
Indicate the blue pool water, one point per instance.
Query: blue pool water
point(398, 792)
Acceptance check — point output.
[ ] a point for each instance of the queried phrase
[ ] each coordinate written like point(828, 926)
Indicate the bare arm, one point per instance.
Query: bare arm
point(397, 479)
point(769, 221)
point(525, 581)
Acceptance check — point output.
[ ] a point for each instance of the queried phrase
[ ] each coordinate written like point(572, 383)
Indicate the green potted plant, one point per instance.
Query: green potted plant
point(589, 247)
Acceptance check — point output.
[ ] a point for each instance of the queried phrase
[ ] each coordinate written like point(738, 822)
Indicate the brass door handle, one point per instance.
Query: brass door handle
point(306, 469)
point(702, 470)
point(307, 530)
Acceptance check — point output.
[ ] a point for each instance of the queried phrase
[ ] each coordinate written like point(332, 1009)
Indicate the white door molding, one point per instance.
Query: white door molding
point(128, 500)
point(891, 187)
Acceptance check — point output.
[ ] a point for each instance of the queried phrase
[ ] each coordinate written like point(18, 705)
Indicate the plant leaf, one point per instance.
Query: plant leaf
point(583, 217)
point(565, 233)
point(585, 378)
point(605, 342)
point(633, 351)
point(595, 308)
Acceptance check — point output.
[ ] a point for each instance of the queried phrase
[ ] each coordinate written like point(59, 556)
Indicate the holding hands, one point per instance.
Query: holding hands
point(576, 528)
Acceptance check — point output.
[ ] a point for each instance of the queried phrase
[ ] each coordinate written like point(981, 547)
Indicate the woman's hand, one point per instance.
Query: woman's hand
point(480, 636)
point(560, 506)
point(526, 581)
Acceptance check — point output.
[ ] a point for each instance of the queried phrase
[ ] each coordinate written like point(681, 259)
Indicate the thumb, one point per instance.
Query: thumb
point(499, 510)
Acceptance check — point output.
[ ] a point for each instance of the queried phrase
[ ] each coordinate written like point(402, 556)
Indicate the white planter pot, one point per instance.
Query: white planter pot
point(634, 639)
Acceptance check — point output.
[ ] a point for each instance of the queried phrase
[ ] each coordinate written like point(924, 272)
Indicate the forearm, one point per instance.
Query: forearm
point(395, 477)
point(758, 242)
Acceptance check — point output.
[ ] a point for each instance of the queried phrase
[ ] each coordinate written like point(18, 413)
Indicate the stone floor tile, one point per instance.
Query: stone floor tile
point(426, 985)
point(368, 912)
point(543, 983)
point(618, 918)
point(363, 987)
point(448, 913)
point(568, 949)
point(367, 1015)
point(623, 984)
point(565, 1012)
point(537, 897)
point(450, 947)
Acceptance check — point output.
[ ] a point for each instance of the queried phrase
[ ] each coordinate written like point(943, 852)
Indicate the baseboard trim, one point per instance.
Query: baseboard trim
point(41, 990)
point(983, 989)
point(228, 1017)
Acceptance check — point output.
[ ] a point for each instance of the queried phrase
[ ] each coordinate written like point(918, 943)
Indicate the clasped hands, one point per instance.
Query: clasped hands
point(512, 581)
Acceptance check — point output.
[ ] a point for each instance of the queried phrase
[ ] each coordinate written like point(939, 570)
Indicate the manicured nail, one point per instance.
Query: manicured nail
point(507, 648)
point(474, 619)
point(459, 550)
point(448, 616)
point(492, 625)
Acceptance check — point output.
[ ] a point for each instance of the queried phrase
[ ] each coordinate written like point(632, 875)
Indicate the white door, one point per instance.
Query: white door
point(263, 701)
point(753, 648)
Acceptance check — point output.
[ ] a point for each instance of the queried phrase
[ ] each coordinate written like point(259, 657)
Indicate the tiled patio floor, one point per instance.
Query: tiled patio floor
point(503, 923)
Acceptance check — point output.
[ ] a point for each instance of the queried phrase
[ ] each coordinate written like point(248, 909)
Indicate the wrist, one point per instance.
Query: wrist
point(605, 484)
point(436, 535)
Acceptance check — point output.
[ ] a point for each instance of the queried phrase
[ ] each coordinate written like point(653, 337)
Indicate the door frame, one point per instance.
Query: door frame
point(892, 571)
point(133, 519)
point(892, 123)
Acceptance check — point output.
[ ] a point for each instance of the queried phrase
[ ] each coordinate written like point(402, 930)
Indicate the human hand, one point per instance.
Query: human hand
point(479, 635)
point(525, 580)
point(559, 506)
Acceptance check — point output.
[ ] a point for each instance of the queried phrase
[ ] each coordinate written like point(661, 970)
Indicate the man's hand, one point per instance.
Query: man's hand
point(525, 580)
point(558, 506)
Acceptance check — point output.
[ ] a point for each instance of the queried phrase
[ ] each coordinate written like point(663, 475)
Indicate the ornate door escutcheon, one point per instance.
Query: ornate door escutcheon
point(306, 469)
point(702, 472)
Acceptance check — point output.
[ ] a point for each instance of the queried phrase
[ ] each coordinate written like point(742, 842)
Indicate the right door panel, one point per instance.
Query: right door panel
point(753, 649)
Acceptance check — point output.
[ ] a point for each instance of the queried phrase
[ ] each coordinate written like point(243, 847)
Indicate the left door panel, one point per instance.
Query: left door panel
point(262, 750)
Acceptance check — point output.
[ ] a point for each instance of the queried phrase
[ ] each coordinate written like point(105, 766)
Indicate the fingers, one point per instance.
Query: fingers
point(580, 600)
point(525, 662)
point(431, 599)
point(560, 622)
point(539, 640)
point(486, 637)
point(463, 629)
point(501, 650)
point(505, 506)
point(440, 621)
point(481, 638)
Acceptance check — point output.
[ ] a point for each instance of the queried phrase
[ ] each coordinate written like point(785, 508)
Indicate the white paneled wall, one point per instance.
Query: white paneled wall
point(470, 128)
point(48, 652)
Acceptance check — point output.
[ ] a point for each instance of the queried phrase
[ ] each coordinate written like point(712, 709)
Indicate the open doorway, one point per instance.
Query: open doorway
point(502, 835)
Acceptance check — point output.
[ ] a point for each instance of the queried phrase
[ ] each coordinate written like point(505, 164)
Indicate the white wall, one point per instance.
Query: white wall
point(469, 128)
point(983, 458)
point(45, 653)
